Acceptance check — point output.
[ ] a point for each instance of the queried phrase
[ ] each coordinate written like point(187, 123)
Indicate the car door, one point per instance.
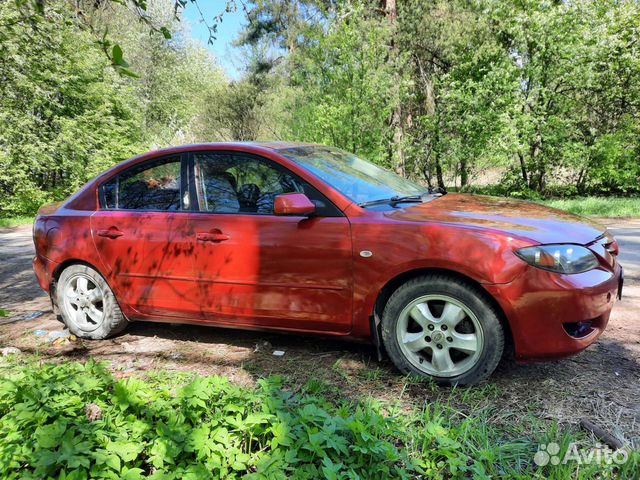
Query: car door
point(258, 269)
point(141, 233)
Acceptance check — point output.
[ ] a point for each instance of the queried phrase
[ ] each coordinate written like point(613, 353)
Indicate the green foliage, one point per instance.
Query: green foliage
point(345, 84)
point(178, 79)
point(207, 428)
point(539, 95)
point(63, 119)
point(170, 427)
point(9, 222)
point(599, 206)
point(66, 115)
point(545, 92)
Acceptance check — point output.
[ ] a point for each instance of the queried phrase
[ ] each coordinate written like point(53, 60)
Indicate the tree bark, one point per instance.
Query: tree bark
point(439, 176)
point(398, 156)
point(523, 168)
point(464, 174)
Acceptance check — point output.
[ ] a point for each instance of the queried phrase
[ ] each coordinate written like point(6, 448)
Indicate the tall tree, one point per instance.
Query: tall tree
point(63, 117)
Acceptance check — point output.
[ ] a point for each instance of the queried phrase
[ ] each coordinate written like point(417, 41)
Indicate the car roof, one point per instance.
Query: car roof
point(271, 145)
point(246, 147)
point(281, 145)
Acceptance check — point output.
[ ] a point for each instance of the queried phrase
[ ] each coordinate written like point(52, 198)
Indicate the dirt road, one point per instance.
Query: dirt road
point(602, 383)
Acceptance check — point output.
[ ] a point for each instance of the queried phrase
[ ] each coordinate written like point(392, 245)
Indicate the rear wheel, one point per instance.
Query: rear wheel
point(444, 328)
point(87, 305)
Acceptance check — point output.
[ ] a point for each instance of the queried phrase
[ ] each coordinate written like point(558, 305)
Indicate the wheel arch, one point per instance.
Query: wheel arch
point(394, 283)
point(55, 275)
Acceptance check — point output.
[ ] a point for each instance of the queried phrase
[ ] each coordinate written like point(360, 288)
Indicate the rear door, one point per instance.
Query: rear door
point(143, 239)
point(258, 269)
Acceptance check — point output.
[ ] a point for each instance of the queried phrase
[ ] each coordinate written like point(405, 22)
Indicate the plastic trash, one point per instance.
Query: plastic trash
point(32, 315)
point(40, 333)
point(278, 353)
point(57, 335)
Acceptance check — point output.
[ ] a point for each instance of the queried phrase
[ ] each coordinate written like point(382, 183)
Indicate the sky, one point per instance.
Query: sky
point(228, 29)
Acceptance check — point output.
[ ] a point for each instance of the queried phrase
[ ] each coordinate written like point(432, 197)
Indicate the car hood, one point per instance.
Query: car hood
point(513, 217)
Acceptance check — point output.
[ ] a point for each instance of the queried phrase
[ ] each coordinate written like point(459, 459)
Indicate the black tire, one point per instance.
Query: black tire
point(483, 363)
point(111, 322)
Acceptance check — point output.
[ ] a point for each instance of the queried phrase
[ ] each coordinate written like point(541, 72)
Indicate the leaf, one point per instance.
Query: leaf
point(113, 461)
point(166, 32)
point(240, 462)
point(131, 474)
point(119, 63)
point(281, 432)
point(257, 418)
point(199, 441)
point(50, 436)
point(331, 470)
point(127, 451)
point(117, 57)
point(74, 451)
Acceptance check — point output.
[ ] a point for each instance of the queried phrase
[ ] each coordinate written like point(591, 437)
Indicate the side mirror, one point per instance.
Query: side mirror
point(293, 204)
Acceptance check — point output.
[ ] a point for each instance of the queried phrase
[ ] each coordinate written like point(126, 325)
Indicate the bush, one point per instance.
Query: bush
point(75, 421)
point(207, 428)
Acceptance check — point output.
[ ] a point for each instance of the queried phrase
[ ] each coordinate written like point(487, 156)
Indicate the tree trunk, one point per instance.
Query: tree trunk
point(464, 174)
point(538, 183)
point(398, 157)
point(523, 168)
point(439, 171)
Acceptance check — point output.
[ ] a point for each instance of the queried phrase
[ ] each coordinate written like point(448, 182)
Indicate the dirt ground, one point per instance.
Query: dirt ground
point(602, 383)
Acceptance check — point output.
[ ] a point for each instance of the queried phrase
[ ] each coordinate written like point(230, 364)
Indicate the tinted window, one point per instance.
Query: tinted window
point(153, 188)
point(236, 183)
point(358, 179)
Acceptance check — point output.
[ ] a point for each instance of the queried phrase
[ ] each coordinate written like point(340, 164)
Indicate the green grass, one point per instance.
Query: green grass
point(174, 426)
point(598, 206)
point(10, 222)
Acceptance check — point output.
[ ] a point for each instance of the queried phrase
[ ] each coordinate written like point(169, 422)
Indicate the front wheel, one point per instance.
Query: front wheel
point(87, 305)
point(444, 328)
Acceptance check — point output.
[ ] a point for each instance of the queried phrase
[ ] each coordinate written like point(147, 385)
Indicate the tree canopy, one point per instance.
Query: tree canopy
point(527, 98)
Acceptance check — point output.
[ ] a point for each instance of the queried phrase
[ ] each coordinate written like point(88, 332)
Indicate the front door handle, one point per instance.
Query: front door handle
point(212, 236)
point(112, 233)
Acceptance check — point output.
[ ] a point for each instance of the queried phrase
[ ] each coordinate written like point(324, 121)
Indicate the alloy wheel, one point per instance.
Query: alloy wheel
point(84, 302)
point(440, 336)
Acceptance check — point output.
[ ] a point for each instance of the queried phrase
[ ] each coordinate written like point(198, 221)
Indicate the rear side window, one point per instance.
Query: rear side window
point(155, 187)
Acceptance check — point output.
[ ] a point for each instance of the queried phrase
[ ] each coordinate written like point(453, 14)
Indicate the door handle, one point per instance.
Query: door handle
point(112, 233)
point(212, 237)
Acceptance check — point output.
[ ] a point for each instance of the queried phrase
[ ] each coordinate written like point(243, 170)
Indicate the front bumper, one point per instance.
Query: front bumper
point(543, 307)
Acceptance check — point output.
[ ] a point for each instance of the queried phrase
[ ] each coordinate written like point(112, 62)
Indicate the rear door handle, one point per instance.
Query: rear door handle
point(112, 233)
point(212, 237)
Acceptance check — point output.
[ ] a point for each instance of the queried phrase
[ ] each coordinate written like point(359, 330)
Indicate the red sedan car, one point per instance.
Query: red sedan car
point(311, 239)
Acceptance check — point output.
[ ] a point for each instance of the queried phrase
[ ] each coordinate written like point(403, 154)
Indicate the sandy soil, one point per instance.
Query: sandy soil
point(602, 383)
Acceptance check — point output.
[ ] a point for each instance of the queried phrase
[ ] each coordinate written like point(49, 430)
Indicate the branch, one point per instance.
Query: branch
point(602, 434)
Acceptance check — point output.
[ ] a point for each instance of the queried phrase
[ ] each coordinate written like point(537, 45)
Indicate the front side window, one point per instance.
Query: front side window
point(237, 183)
point(157, 187)
point(357, 179)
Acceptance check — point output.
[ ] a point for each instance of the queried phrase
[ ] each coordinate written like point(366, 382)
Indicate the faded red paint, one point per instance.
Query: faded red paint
point(304, 274)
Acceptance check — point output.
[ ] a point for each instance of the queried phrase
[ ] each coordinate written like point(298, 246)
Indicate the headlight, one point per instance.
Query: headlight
point(559, 258)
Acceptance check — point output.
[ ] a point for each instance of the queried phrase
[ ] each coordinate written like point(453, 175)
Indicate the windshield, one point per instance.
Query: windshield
point(357, 179)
